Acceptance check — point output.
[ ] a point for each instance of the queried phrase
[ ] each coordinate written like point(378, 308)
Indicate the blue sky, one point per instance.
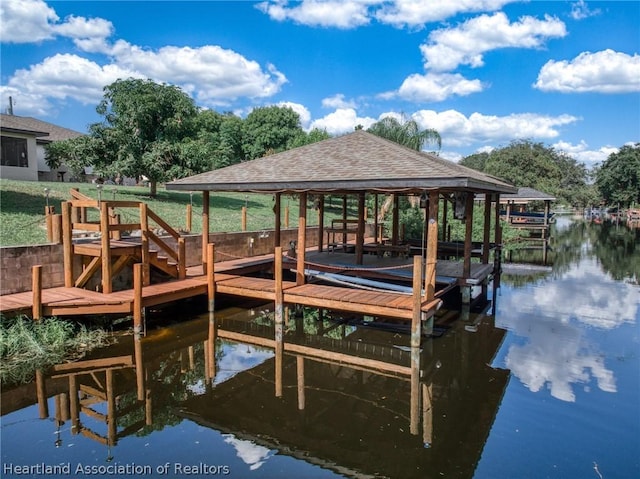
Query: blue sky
point(481, 72)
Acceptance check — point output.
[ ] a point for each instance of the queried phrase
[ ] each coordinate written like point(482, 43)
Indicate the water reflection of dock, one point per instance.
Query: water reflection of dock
point(358, 401)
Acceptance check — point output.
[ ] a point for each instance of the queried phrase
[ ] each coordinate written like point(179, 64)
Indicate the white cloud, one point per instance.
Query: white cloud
point(338, 101)
point(341, 121)
point(413, 14)
point(320, 13)
point(32, 21)
point(26, 21)
point(583, 154)
point(606, 71)
point(580, 10)
point(448, 48)
point(65, 76)
point(303, 111)
point(458, 130)
point(433, 87)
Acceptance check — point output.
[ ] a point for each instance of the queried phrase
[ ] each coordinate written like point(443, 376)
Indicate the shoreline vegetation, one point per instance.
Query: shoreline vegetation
point(27, 345)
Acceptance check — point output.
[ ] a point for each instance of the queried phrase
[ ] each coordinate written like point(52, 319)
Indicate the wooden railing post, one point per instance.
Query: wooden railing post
point(56, 229)
point(211, 278)
point(67, 243)
point(243, 223)
point(36, 287)
point(49, 212)
point(417, 301)
point(105, 246)
point(144, 227)
point(137, 299)
point(189, 217)
point(182, 259)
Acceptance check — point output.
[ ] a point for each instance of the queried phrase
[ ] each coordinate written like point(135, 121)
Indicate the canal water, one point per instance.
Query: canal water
point(544, 384)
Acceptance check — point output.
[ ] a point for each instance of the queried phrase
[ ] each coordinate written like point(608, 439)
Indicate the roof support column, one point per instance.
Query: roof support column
point(487, 228)
point(205, 229)
point(375, 218)
point(360, 230)
point(302, 239)
point(395, 220)
point(431, 247)
point(468, 235)
point(277, 225)
point(320, 223)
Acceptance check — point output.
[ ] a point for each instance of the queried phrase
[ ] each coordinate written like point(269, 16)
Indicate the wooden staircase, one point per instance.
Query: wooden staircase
point(112, 251)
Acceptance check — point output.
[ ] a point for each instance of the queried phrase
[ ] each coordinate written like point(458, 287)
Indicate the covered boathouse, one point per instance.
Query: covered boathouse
point(360, 164)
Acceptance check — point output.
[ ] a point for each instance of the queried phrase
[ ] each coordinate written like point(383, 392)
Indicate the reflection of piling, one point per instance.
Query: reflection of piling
point(137, 298)
point(300, 374)
point(279, 319)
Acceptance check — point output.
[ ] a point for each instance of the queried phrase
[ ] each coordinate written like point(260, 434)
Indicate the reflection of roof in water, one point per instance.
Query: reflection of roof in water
point(357, 421)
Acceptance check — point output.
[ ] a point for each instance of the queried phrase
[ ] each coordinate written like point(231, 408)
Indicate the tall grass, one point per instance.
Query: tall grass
point(27, 345)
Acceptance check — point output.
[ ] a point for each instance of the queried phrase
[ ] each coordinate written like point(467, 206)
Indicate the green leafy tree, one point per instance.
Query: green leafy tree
point(477, 161)
point(618, 179)
point(269, 130)
point(144, 121)
point(406, 132)
point(313, 136)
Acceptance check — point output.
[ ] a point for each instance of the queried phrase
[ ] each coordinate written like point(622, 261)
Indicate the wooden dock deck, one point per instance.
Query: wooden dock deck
point(229, 279)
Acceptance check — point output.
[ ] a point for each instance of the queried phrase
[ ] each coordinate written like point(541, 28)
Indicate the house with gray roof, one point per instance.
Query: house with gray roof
point(23, 141)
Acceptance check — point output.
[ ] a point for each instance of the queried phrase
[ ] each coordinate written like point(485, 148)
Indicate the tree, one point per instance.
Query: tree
point(269, 130)
point(618, 179)
point(313, 136)
point(477, 161)
point(144, 121)
point(406, 132)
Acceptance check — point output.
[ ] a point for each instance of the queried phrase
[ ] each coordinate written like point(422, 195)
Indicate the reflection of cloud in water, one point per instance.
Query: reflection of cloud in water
point(557, 354)
point(584, 293)
point(252, 454)
point(238, 357)
point(552, 316)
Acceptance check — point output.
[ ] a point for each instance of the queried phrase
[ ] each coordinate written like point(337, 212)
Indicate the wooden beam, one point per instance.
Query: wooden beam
point(360, 230)
point(89, 271)
point(36, 288)
point(431, 256)
point(468, 235)
point(67, 244)
point(302, 239)
point(487, 228)
point(106, 249)
point(205, 229)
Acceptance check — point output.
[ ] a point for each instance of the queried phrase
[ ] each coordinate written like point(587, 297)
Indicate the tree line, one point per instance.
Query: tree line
point(156, 130)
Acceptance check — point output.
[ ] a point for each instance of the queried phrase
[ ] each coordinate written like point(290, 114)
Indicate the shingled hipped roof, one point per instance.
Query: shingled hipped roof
point(45, 132)
point(359, 161)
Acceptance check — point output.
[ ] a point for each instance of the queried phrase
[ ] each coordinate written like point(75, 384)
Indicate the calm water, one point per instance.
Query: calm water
point(548, 386)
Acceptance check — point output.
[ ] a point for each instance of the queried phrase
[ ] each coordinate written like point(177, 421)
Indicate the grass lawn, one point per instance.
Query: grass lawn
point(22, 206)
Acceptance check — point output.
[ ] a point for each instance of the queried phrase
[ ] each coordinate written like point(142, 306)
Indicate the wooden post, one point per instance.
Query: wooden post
point(41, 393)
point(36, 288)
point(74, 409)
point(321, 224)
point(417, 301)
point(360, 230)
point(395, 220)
point(140, 382)
point(286, 216)
point(146, 257)
point(427, 414)
point(487, 228)
point(302, 239)
point(445, 219)
point(182, 258)
point(48, 214)
point(189, 217)
point(56, 229)
point(205, 229)
point(67, 244)
point(244, 219)
point(300, 375)
point(279, 318)
point(211, 279)
point(414, 414)
point(137, 298)
point(468, 235)
point(344, 218)
point(111, 408)
point(105, 246)
point(211, 347)
point(431, 257)
point(277, 235)
point(375, 218)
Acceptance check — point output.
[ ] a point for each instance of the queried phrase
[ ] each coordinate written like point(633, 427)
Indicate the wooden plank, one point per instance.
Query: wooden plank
point(89, 271)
